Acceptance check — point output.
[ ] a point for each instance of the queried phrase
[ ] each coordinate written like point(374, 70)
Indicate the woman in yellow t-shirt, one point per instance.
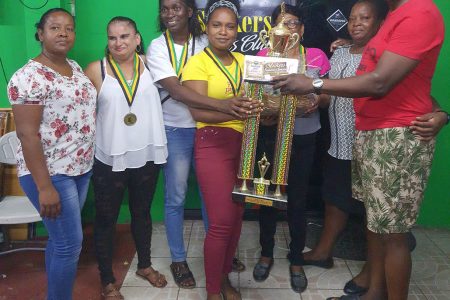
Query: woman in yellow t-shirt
point(216, 72)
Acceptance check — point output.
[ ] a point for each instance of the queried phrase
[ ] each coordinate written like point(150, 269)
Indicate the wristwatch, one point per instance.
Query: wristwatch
point(317, 85)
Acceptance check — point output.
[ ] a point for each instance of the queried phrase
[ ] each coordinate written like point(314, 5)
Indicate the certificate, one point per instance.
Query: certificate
point(262, 69)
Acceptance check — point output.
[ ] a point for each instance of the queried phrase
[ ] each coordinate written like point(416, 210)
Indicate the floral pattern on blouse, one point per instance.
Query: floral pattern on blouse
point(67, 129)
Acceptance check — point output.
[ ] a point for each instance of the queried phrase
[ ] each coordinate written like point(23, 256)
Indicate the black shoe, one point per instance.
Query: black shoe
point(411, 241)
point(345, 297)
point(324, 263)
point(351, 288)
point(262, 270)
point(299, 282)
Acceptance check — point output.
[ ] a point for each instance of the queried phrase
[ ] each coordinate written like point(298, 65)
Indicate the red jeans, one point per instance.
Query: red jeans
point(217, 151)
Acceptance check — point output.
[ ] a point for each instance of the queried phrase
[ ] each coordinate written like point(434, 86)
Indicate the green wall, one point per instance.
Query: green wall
point(18, 45)
point(436, 207)
point(17, 36)
point(17, 28)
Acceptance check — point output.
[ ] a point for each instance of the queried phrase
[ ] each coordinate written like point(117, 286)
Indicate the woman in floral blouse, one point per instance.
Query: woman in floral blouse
point(54, 108)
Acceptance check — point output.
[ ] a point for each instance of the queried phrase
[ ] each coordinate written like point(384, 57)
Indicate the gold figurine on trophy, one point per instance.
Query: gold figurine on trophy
point(261, 184)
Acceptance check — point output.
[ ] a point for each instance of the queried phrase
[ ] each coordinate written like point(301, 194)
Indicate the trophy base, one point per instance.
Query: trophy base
point(266, 200)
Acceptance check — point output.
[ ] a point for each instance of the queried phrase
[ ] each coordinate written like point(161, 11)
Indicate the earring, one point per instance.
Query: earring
point(138, 48)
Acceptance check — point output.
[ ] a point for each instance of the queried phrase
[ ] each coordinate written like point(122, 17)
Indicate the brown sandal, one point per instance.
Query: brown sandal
point(237, 265)
point(228, 292)
point(155, 278)
point(111, 292)
point(182, 274)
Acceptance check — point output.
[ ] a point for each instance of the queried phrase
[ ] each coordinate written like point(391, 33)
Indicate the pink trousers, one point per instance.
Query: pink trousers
point(217, 151)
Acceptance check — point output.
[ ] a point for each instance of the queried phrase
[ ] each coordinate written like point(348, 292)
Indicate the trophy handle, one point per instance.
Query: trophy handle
point(293, 40)
point(263, 37)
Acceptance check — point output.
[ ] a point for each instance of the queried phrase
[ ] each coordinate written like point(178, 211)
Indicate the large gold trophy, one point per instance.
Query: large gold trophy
point(279, 40)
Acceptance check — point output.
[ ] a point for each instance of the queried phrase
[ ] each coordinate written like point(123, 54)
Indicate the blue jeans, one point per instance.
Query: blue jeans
point(65, 234)
point(180, 144)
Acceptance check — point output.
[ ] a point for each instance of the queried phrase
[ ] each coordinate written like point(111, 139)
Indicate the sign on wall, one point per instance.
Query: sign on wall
point(255, 16)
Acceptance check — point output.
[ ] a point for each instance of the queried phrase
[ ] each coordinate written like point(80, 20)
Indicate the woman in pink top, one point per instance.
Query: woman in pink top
point(302, 157)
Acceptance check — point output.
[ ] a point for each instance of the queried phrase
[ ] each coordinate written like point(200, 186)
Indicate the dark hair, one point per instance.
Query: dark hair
point(234, 2)
point(290, 9)
point(130, 22)
point(194, 26)
point(45, 16)
point(380, 8)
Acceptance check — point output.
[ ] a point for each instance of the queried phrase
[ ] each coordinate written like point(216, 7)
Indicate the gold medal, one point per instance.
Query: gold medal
point(129, 90)
point(130, 119)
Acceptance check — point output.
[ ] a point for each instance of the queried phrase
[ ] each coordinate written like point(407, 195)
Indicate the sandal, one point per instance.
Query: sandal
point(182, 275)
point(228, 292)
point(155, 278)
point(110, 292)
point(237, 265)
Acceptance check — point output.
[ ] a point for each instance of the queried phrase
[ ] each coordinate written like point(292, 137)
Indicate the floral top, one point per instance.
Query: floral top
point(67, 128)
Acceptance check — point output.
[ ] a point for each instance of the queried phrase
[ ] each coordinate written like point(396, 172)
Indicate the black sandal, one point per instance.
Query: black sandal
point(182, 274)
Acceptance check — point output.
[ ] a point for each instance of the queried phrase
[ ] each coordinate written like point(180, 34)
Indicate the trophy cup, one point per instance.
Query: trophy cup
point(279, 40)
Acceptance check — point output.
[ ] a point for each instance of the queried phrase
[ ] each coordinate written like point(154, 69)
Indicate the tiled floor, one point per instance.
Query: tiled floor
point(22, 275)
point(430, 278)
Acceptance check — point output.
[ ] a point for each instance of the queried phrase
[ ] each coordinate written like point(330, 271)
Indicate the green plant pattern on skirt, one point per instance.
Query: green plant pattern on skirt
point(390, 170)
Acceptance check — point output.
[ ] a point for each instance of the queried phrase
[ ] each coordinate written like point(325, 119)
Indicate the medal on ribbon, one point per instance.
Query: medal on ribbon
point(128, 89)
point(178, 63)
point(302, 59)
point(236, 80)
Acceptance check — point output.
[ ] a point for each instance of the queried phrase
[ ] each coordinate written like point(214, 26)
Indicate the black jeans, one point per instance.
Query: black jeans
point(302, 157)
point(109, 188)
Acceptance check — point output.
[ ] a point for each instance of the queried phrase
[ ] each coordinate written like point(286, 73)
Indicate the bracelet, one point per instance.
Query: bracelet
point(448, 116)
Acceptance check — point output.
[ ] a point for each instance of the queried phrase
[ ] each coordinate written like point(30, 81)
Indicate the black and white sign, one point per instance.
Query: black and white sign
point(337, 20)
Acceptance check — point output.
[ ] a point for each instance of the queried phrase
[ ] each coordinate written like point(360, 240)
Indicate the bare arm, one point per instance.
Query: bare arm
point(427, 126)
point(28, 119)
point(159, 60)
point(339, 43)
point(238, 106)
point(202, 115)
point(390, 70)
point(94, 73)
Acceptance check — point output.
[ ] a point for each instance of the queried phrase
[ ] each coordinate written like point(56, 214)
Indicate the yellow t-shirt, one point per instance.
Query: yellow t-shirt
point(202, 67)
